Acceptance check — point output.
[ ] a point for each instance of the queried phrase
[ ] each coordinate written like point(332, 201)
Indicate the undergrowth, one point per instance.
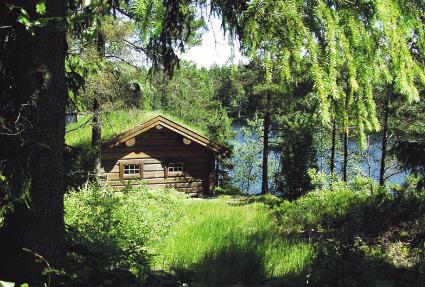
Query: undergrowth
point(118, 227)
point(352, 235)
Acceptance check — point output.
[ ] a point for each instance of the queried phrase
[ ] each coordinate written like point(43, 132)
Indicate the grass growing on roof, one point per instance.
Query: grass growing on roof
point(116, 122)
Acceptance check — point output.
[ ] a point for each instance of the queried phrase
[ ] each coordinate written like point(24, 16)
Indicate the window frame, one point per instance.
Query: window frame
point(124, 176)
point(168, 173)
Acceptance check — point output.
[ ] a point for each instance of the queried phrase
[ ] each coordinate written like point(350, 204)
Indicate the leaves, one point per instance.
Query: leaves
point(23, 17)
point(40, 8)
point(342, 48)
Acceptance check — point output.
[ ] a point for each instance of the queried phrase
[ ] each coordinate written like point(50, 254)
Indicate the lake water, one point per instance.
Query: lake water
point(367, 162)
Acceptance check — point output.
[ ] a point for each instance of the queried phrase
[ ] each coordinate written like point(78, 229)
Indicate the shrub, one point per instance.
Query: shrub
point(120, 225)
point(359, 206)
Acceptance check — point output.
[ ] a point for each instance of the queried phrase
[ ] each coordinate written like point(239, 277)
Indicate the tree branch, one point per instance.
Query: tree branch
point(111, 56)
point(394, 173)
point(136, 47)
point(71, 130)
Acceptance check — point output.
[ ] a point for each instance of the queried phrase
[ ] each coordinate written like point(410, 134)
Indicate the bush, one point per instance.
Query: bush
point(120, 225)
point(359, 206)
point(363, 235)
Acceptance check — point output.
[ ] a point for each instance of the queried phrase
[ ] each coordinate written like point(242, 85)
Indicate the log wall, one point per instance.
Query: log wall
point(154, 149)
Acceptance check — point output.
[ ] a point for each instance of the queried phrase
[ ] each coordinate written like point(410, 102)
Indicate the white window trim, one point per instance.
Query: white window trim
point(175, 167)
point(124, 175)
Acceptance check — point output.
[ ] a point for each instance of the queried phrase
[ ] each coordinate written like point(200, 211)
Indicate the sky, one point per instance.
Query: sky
point(215, 48)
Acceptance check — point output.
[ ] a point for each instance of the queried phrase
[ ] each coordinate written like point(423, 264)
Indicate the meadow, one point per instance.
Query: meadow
point(348, 236)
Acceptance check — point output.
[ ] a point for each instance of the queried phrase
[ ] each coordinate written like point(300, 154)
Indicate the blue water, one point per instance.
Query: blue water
point(368, 163)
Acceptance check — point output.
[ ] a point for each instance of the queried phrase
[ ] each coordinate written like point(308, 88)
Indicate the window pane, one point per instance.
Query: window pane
point(175, 167)
point(132, 169)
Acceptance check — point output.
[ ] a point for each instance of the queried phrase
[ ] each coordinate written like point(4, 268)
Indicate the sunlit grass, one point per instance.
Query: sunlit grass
point(114, 123)
point(248, 241)
point(218, 243)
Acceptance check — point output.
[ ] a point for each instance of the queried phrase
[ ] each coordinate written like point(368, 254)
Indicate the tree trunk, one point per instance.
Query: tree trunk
point(333, 147)
point(97, 121)
point(266, 129)
point(346, 135)
point(96, 139)
point(33, 236)
point(384, 142)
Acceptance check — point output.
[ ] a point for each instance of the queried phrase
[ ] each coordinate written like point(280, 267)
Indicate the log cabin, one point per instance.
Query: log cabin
point(161, 153)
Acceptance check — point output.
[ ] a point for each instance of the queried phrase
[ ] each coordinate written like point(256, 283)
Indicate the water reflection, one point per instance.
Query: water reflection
point(365, 162)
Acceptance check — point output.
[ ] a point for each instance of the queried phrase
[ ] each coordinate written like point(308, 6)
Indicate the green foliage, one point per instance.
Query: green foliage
point(358, 207)
point(77, 71)
point(230, 89)
point(320, 209)
point(408, 126)
point(12, 284)
point(234, 88)
point(246, 157)
point(40, 8)
point(120, 225)
point(362, 234)
point(343, 49)
point(190, 95)
point(34, 22)
point(298, 155)
point(351, 235)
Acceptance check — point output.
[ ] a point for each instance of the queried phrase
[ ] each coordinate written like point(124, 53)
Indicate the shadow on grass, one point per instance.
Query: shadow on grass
point(349, 249)
point(342, 262)
point(103, 263)
point(248, 262)
point(232, 265)
point(336, 264)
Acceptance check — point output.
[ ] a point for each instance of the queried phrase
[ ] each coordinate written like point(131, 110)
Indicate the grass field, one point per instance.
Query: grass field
point(221, 241)
point(345, 237)
point(211, 242)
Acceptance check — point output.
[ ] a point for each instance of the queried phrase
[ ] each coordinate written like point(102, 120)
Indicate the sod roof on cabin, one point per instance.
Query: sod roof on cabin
point(160, 122)
point(115, 123)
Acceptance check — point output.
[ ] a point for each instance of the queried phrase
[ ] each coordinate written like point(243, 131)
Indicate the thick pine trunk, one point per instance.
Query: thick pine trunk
point(33, 235)
point(266, 129)
point(384, 142)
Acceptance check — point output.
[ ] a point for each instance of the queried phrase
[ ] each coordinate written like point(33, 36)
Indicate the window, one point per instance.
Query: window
point(175, 167)
point(130, 169)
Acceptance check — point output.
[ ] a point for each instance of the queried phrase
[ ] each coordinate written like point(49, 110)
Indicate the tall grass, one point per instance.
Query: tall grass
point(114, 123)
point(342, 237)
point(211, 242)
point(217, 243)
